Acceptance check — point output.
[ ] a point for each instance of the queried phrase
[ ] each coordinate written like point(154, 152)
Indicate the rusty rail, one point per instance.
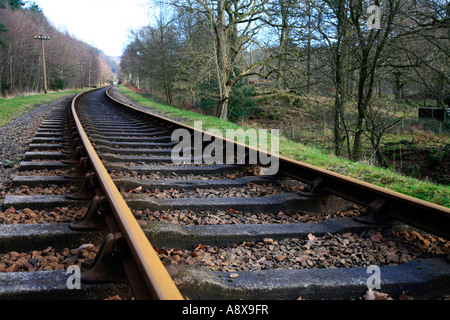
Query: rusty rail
point(381, 205)
point(126, 248)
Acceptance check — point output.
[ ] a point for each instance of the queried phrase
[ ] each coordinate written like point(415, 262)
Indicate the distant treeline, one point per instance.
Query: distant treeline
point(70, 63)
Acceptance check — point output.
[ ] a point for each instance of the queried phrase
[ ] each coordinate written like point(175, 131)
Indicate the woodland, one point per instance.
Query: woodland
point(342, 74)
point(70, 63)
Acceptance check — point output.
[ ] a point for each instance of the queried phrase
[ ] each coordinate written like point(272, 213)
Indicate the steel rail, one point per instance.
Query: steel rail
point(382, 205)
point(158, 281)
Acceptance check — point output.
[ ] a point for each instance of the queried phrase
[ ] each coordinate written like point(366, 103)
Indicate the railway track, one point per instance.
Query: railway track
point(136, 225)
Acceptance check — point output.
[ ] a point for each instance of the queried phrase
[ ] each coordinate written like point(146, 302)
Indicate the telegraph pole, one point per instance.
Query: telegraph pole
point(81, 73)
point(42, 38)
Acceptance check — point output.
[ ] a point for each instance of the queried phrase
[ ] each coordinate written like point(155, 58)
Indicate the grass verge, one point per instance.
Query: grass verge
point(15, 107)
point(435, 193)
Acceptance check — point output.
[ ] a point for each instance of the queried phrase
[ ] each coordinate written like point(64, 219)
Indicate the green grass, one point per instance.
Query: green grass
point(15, 107)
point(385, 178)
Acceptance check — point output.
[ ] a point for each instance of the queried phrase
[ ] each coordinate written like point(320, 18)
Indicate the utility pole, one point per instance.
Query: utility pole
point(89, 81)
point(81, 72)
point(42, 38)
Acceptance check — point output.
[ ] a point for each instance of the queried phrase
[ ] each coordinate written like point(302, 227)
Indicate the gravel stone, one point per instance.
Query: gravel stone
point(48, 259)
point(15, 138)
point(390, 249)
point(231, 216)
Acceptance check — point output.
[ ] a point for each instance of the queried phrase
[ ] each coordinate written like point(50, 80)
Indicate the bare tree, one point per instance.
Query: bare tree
point(353, 46)
point(380, 117)
point(234, 25)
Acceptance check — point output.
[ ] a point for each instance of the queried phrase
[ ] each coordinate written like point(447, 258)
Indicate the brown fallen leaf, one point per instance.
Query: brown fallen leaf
point(280, 213)
point(311, 237)
point(116, 297)
point(198, 247)
point(136, 190)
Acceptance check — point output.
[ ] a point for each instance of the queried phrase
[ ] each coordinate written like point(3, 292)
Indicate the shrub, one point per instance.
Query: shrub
point(58, 84)
point(241, 103)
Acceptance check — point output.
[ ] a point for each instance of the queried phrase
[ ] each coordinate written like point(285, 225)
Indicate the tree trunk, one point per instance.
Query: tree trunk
point(398, 85)
point(222, 108)
point(380, 158)
point(308, 49)
point(356, 150)
point(442, 93)
point(339, 116)
point(222, 62)
point(340, 77)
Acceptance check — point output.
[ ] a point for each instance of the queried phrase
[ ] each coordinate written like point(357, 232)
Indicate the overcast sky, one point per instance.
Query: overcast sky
point(103, 24)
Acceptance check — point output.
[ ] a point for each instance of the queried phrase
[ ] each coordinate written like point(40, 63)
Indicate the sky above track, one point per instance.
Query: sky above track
point(104, 24)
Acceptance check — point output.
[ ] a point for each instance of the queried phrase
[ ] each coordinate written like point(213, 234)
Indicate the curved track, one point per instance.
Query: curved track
point(222, 231)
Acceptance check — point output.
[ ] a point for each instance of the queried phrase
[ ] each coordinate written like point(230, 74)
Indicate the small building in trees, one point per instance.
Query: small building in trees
point(442, 114)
